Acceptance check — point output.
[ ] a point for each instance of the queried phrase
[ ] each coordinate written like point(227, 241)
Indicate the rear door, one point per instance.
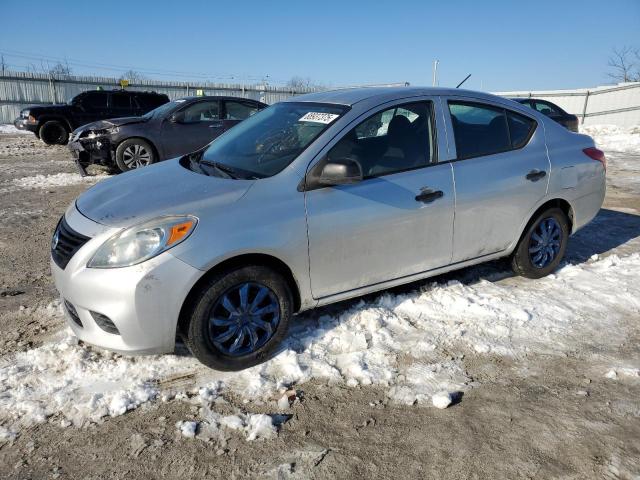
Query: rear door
point(501, 171)
point(121, 105)
point(397, 221)
point(191, 128)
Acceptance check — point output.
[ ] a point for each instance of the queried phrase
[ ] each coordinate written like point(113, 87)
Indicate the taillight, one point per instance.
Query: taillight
point(595, 154)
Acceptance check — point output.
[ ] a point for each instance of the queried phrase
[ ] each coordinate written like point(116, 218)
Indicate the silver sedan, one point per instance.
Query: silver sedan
point(314, 200)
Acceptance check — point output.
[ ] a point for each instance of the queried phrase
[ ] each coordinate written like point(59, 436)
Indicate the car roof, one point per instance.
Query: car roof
point(218, 97)
point(351, 96)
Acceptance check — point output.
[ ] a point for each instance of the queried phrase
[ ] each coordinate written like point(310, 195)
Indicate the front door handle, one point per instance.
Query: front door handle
point(427, 195)
point(535, 175)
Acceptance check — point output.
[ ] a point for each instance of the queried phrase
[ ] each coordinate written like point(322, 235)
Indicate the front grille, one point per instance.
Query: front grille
point(65, 243)
point(73, 313)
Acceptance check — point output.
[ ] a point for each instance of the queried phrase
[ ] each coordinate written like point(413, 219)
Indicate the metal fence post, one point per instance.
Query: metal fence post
point(584, 108)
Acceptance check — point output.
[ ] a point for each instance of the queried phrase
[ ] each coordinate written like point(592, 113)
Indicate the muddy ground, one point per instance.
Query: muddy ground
point(533, 416)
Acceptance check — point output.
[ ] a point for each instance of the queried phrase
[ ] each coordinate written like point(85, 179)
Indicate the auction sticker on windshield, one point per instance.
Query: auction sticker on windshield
point(319, 117)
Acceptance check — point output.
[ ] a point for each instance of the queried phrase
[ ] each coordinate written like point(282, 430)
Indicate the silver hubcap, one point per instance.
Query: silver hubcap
point(243, 319)
point(545, 242)
point(136, 156)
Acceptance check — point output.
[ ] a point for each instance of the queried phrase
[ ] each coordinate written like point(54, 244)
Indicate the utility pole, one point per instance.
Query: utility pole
point(435, 72)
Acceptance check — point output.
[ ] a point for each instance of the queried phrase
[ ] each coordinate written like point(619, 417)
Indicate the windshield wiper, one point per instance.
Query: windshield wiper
point(224, 169)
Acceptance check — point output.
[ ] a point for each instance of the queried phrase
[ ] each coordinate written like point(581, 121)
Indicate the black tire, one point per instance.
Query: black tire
point(197, 333)
point(134, 153)
point(522, 262)
point(54, 132)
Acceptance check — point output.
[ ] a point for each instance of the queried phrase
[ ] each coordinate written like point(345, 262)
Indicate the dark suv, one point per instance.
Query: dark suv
point(53, 123)
point(552, 111)
point(171, 130)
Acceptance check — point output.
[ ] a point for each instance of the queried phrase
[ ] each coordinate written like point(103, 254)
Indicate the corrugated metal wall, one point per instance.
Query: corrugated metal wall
point(20, 89)
point(613, 105)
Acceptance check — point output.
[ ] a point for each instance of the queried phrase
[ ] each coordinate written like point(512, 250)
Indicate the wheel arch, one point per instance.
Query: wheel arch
point(139, 137)
point(557, 202)
point(238, 261)
point(47, 118)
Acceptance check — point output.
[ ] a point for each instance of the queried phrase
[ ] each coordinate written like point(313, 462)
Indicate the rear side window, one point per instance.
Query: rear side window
point(121, 101)
point(149, 102)
point(95, 100)
point(481, 129)
point(547, 108)
point(239, 111)
point(520, 128)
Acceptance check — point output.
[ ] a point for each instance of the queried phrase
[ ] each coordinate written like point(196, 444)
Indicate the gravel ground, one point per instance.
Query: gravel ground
point(531, 416)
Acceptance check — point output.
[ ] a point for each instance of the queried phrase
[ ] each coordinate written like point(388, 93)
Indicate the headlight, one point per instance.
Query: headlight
point(24, 113)
point(141, 242)
point(101, 132)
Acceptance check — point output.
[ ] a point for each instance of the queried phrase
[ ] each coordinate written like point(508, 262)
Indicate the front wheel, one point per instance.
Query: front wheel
point(53, 132)
point(134, 153)
point(238, 318)
point(542, 247)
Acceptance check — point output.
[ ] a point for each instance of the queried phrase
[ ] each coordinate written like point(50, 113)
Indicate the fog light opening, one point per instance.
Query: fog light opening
point(105, 323)
point(72, 312)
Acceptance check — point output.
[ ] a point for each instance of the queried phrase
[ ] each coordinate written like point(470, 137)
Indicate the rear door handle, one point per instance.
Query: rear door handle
point(535, 175)
point(427, 195)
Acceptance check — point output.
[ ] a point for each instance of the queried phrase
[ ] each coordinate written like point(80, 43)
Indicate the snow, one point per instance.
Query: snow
point(56, 180)
point(393, 341)
point(8, 129)
point(614, 138)
point(442, 399)
point(187, 429)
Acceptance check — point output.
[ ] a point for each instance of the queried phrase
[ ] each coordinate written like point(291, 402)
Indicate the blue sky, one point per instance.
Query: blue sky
point(505, 45)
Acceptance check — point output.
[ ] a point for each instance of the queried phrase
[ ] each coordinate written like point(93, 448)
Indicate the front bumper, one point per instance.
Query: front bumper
point(23, 124)
point(142, 301)
point(86, 151)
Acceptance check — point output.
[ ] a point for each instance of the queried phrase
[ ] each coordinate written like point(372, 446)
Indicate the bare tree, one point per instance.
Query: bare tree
point(297, 82)
point(61, 69)
point(133, 76)
point(625, 64)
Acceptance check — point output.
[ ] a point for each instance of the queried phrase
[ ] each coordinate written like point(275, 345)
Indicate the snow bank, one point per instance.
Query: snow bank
point(8, 129)
point(614, 138)
point(401, 342)
point(56, 180)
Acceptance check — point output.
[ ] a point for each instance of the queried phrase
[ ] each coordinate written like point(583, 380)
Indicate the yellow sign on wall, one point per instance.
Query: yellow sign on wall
point(124, 83)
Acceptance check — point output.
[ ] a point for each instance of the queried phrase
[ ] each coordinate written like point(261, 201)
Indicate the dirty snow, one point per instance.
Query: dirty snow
point(392, 341)
point(8, 129)
point(614, 138)
point(56, 180)
point(442, 399)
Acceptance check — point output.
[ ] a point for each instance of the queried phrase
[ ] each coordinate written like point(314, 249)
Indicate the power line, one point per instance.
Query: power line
point(119, 68)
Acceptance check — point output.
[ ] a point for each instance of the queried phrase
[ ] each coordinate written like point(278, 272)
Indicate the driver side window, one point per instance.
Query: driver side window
point(201, 112)
point(394, 140)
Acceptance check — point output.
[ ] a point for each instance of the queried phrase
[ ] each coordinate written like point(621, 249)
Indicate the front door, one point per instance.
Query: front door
point(191, 128)
point(501, 173)
point(397, 221)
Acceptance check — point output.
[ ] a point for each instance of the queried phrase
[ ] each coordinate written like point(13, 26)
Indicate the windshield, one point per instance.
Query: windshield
point(270, 140)
point(162, 109)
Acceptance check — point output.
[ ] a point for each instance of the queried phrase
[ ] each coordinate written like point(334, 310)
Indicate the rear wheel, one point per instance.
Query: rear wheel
point(542, 247)
point(134, 153)
point(54, 132)
point(238, 318)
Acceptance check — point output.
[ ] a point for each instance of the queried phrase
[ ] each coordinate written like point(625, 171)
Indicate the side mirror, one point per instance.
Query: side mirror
point(176, 118)
point(344, 171)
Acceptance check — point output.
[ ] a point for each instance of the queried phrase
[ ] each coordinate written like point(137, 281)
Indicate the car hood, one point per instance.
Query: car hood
point(166, 188)
point(112, 122)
